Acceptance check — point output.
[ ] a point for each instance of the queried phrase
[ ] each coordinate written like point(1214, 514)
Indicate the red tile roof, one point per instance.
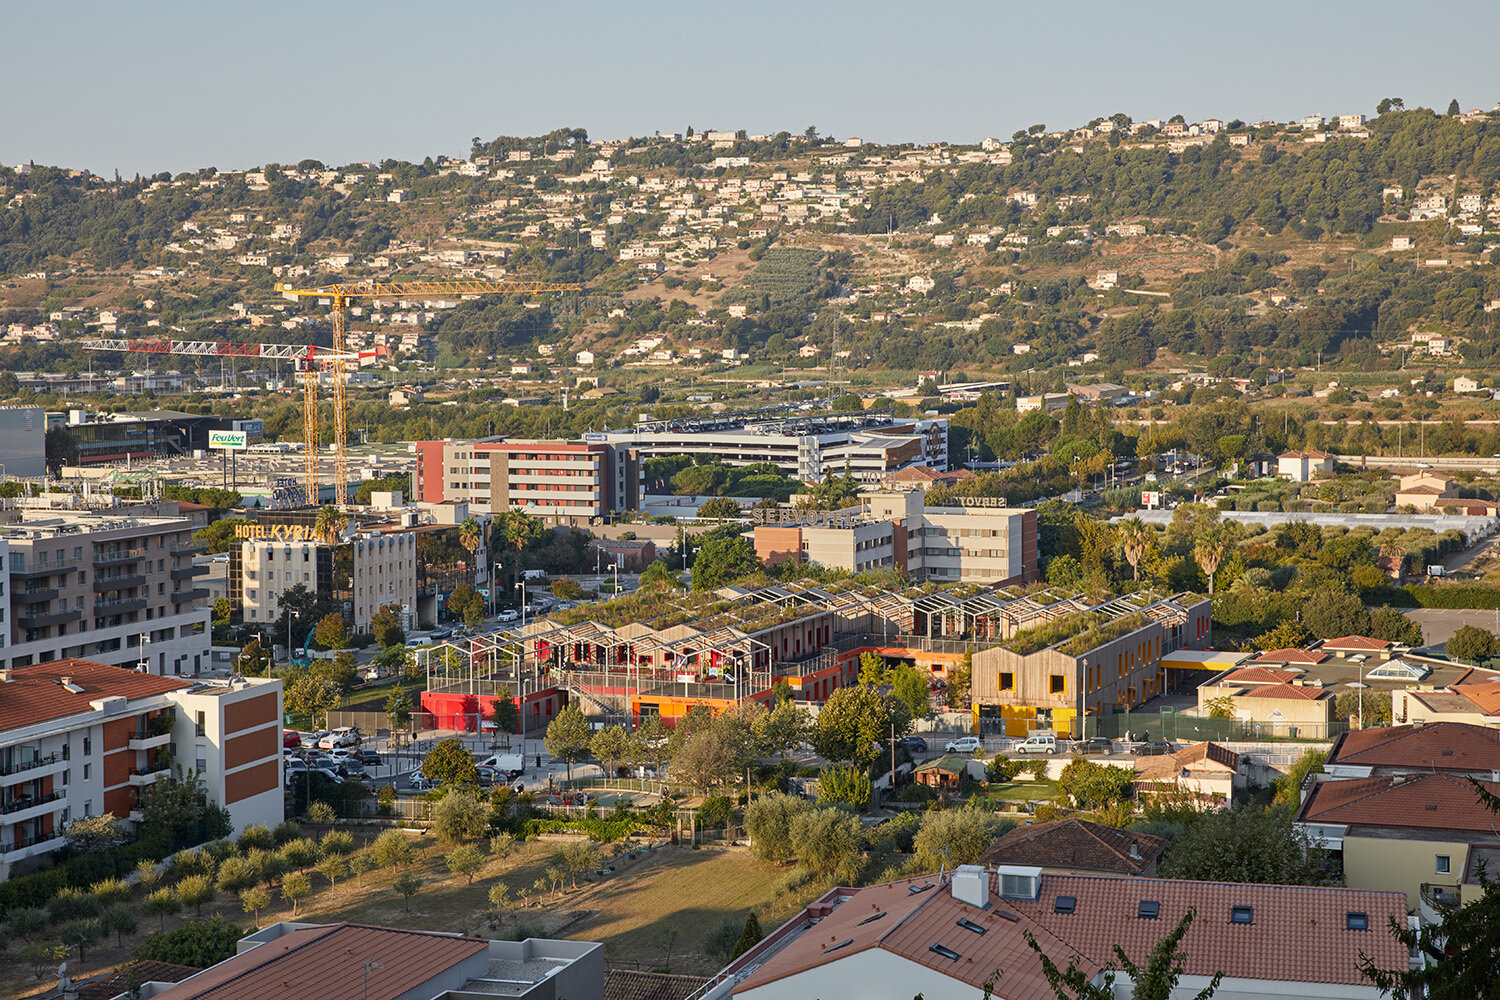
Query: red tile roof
point(1077, 844)
point(1260, 675)
point(1291, 656)
point(1437, 746)
point(35, 695)
point(628, 984)
point(1484, 697)
point(1361, 643)
point(1290, 692)
point(1419, 802)
point(326, 962)
point(1296, 933)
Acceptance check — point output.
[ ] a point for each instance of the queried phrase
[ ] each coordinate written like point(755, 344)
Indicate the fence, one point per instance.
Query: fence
point(1171, 725)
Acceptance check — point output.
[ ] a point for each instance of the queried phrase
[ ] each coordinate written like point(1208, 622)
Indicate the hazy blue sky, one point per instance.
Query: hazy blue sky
point(151, 86)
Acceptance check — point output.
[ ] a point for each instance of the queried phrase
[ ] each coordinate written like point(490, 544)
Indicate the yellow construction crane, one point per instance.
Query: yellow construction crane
point(338, 297)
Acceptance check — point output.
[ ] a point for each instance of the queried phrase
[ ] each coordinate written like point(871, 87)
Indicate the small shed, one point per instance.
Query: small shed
point(948, 773)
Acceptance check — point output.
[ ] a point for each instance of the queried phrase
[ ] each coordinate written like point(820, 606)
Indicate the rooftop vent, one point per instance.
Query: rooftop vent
point(68, 685)
point(946, 952)
point(1065, 904)
point(914, 889)
point(1447, 751)
point(1356, 921)
point(872, 918)
point(842, 944)
point(970, 925)
point(1432, 807)
point(1019, 881)
point(971, 884)
point(1149, 909)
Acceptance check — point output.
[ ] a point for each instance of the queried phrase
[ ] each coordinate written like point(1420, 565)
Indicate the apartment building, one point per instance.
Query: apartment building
point(868, 446)
point(80, 738)
point(412, 559)
point(102, 585)
point(563, 482)
point(980, 544)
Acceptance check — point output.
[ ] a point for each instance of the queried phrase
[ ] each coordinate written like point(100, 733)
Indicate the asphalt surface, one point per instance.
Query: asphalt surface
point(1439, 624)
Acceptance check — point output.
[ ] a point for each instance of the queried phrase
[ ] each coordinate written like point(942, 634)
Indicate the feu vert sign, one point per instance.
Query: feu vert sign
point(227, 440)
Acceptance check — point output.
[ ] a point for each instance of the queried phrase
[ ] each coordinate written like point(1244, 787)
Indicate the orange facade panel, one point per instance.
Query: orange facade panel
point(117, 768)
point(248, 714)
point(241, 750)
point(117, 733)
point(118, 801)
point(251, 781)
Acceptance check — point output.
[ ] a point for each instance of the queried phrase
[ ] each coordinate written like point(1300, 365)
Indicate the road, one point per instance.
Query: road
point(1439, 624)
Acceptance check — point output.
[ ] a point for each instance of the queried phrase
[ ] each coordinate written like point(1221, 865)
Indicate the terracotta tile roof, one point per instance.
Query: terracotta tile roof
point(1296, 933)
point(1485, 697)
point(627, 984)
point(1425, 490)
point(1291, 656)
point(1078, 844)
point(35, 694)
point(1437, 746)
point(1260, 675)
point(1420, 802)
point(1290, 692)
point(1208, 752)
point(1362, 643)
point(326, 962)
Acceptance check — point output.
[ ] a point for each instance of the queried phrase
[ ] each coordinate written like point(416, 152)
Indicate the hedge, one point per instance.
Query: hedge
point(1460, 596)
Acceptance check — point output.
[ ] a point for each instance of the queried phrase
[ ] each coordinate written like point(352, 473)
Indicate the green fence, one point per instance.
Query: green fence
point(1175, 726)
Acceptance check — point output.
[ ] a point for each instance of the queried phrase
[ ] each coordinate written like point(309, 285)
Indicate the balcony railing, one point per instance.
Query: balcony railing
point(184, 596)
point(16, 767)
point(189, 550)
point(15, 805)
point(185, 572)
point(19, 566)
point(117, 556)
point(36, 595)
point(30, 840)
point(119, 607)
point(41, 619)
point(103, 583)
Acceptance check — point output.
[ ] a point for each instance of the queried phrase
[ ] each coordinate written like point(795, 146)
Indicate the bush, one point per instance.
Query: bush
point(845, 786)
point(337, 843)
point(72, 903)
point(195, 862)
point(715, 813)
point(198, 943)
point(256, 835)
point(320, 812)
point(956, 837)
point(236, 875)
point(301, 853)
point(718, 944)
point(287, 831)
point(461, 816)
point(828, 842)
point(1002, 769)
point(769, 819)
point(392, 849)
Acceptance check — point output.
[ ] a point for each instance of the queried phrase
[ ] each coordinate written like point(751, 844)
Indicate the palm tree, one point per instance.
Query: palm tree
point(1134, 539)
point(330, 524)
point(1208, 553)
point(469, 535)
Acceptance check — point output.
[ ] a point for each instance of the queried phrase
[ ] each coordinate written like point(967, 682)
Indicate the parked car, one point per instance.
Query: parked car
point(312, 740)
point(420, 782)
point(294, 764)
point(913, 744)
point(369, 674)
point(418, 642)
point(1153, 748)
point(344, 736)
point(330, 773)
point(508, 615)
point(439, 634)
point(488, 776)
point(512, 765)
point(1038, 743)
point(964, 744)
point(1095, 745)
point(290, 739)
point(370, 758)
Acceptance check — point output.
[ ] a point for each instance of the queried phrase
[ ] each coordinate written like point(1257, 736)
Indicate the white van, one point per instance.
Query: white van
point(1039, 743)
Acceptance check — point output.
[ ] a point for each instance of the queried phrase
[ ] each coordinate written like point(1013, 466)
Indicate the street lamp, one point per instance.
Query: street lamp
point(1361, 685)
point(144, 662)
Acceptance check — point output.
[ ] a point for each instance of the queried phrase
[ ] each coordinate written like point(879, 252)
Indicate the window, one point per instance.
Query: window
point(1056, 684)
point(88, 745)
point(1065, 904)
point(944, 951)
point(1241, 914)
point(1444, 864)
point(1356, 921)
point(970, 925)
point(1007, 682)
point(86, 769)
point(201, 719)
point(1149, 909)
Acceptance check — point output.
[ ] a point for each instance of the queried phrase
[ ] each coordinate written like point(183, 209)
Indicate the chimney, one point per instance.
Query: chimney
point(66, 681)
point(971, 884)
point(5, 677)
point(1135, 851)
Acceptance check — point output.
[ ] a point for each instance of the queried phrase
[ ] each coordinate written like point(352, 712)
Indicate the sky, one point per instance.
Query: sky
point(176, 86)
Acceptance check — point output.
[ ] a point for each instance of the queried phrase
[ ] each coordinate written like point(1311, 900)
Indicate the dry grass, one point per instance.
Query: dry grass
point(628, 910)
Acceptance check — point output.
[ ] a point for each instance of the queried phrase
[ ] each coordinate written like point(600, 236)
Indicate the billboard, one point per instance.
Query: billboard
point(227, 440)
point(23, 441)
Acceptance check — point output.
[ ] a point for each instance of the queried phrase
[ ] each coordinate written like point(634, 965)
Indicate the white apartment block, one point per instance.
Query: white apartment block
point(561, 481)
point(83, 738)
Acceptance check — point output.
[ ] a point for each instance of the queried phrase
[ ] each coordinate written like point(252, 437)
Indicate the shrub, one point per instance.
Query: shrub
point(287, 831)
point(461, 816)
point(769, 819)
point(828, 842)
point(300, 853)
point(110, 890)
point(237, 874)
point(198, 943)
point(256, 835)
point(320, 812)
point(1002, 768)
point(392, 849)
point(72, 904)
point(845, 786)
point(715, 813)
point(718, 944)
point(193, 862)
point(956, 837)
point(337, 843)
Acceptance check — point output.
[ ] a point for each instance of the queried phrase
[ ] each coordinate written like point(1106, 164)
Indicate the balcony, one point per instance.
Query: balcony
point(118, 557)
point(184, 596)
point(189, 550)
point(146, 741)
point(41, 619)
point(103, 583)
point(36, 595)
point(30, 770)
point(18, 809)
point(25, 847)
point(186, 572)
point(140, 777)
point(119, 607)
point(20, 568)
